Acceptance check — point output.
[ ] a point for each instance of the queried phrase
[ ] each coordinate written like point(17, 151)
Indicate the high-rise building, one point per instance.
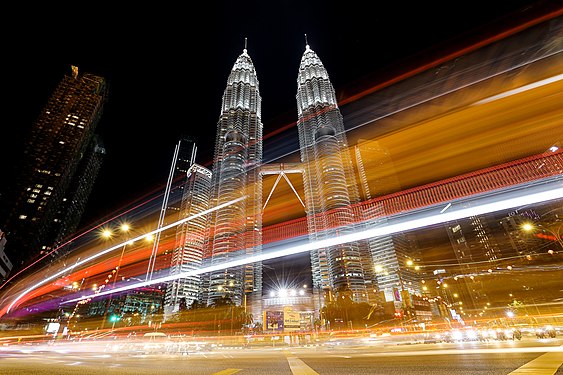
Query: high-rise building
point(329, 183)
point(237, 184)
point(172, 201)
point(34, 209)
point(74, 204)
point(191, 240)
point(184, 159)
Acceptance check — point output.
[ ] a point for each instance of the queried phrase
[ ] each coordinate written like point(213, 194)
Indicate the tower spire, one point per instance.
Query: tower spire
point(245, 43)
point(306, 41)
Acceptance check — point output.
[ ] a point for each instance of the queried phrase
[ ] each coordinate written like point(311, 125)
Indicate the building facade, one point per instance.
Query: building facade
point(70, 212)
point(237, 184)
point(191, 240)
point(50, 168)
point(329, 183)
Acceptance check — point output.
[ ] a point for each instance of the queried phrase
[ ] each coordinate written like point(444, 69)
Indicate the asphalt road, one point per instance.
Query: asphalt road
point(502, 358)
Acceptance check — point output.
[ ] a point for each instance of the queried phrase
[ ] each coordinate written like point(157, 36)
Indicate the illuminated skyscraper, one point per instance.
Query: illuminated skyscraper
point(236, 228)
point(73, 206)
point(54, 151)
point(191, 240)
point(329, 183)
point(173, 201)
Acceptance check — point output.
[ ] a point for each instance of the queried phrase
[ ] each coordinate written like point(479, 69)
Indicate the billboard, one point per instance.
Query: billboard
point(273, 320)
point(282, 321)
point(291, 320)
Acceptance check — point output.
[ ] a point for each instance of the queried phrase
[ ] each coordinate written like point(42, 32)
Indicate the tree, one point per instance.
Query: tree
point(196, 304)
point(183, 305)
point(222, 302)
point(345, 313)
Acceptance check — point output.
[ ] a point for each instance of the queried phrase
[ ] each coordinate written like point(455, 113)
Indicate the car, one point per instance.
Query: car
point(546, 332)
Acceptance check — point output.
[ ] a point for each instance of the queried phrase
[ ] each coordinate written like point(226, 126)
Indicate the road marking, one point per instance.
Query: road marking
point(538, 349)
point(298, 367)
point(228, 371)
point(546, 364)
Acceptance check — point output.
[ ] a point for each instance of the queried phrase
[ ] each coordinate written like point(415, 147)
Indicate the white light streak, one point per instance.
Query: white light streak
point(406, 225)
point(445, 208)
point(119, 246)
point(519, 90)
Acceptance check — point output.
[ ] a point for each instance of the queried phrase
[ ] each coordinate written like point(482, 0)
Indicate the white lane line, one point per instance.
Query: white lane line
point(546, 364)
point(298, 367)
point(228, 371)
point(538, 349)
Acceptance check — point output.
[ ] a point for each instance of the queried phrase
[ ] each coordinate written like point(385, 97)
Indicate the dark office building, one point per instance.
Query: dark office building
point(56, 170)
point(71, 210)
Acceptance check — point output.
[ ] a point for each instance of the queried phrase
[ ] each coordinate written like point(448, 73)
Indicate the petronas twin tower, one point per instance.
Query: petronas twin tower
point(235, 230)
point(237, 183)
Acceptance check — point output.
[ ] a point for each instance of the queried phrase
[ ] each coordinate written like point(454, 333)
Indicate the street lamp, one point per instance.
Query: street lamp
point(555, 231)
point(107, 233)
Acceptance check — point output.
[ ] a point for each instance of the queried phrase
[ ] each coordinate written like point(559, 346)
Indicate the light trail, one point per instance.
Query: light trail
point(119, 246)
point(71, 240)
point(471, 84)
point(445, 208)
point(508, 93)
point(519, 90)
point(401, 226)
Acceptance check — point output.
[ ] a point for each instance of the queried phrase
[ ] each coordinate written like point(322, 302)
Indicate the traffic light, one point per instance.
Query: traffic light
point(114, 318)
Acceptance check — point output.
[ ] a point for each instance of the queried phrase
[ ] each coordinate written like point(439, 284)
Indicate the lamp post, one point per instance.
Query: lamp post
point(108, 234)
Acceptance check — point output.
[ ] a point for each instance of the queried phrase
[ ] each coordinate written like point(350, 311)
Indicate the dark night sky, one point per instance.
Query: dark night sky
point(167, 67)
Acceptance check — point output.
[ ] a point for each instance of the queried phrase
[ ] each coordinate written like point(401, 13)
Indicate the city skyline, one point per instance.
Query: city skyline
point(404, 214)
point(327, 122)
point(423, 209)
point(321, 132)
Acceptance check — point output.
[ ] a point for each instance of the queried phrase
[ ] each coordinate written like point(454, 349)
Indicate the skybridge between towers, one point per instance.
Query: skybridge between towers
point(282, 170)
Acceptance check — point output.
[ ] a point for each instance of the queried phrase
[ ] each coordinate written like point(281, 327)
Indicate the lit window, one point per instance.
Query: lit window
point(23, 217)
